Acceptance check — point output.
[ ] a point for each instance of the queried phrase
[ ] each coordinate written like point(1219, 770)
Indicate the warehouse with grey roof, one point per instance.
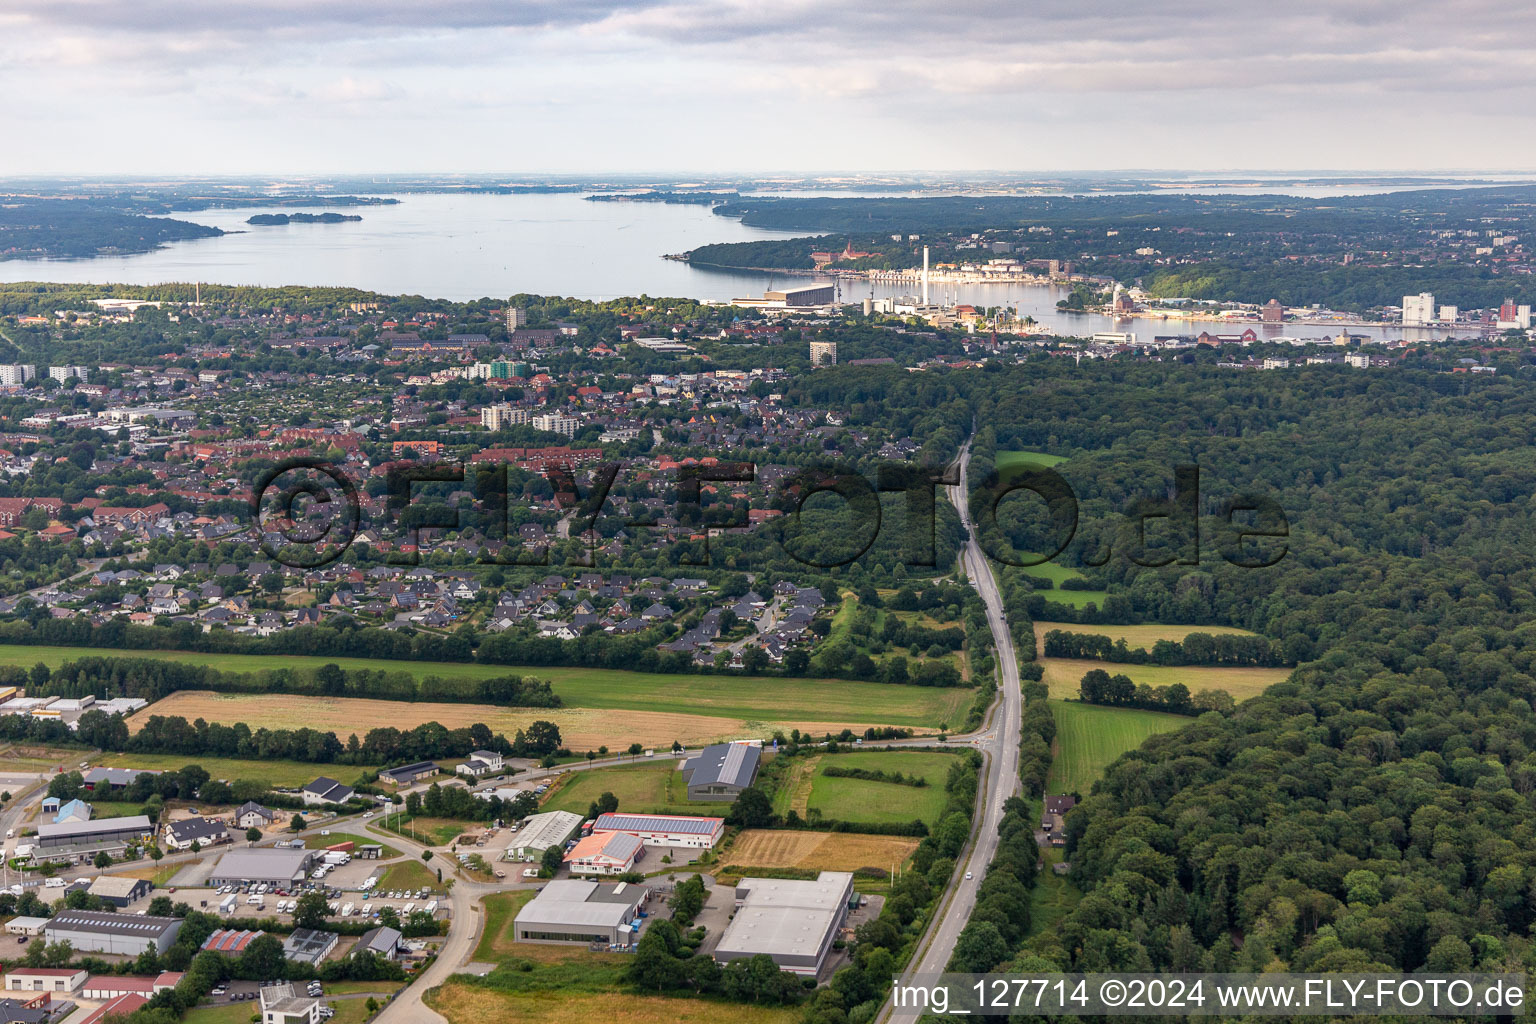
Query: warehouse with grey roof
point(792, 921)
point(259, 864)
point(100, 932)
point(568, 910)
point(721, 771)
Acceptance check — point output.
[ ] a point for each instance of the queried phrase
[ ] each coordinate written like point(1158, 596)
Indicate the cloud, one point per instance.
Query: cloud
point(586, 79)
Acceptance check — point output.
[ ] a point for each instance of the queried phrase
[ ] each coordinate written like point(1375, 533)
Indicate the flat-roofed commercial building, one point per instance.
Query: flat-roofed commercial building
point(792, 921)
point(120, 890)
point(540, 832)
point(570, 910)
point(309, 945)
point(124, 934)
point(258, 864)
point(100, 830)
point(45, 979)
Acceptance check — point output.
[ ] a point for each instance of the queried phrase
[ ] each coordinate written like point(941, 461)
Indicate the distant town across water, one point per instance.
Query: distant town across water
point(466, 246)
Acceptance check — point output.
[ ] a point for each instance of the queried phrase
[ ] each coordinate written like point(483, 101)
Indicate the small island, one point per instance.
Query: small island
point(265, 219)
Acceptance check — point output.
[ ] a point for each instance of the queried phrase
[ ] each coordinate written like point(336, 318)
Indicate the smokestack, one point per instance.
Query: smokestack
point(925, 275)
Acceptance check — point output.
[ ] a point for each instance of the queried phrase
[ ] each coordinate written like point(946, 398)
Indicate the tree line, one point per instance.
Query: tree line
point(1196, 648)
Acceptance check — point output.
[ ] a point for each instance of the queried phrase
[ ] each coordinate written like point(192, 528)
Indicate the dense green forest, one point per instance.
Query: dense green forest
point(1376, 810)
point(75, 230)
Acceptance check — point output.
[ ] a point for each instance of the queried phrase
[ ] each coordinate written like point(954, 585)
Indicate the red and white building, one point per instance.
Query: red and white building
point(664, 829)
point(605, 853)
point(111, 986)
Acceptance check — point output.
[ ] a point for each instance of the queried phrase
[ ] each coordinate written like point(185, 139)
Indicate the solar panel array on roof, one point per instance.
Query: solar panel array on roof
point(656, 823)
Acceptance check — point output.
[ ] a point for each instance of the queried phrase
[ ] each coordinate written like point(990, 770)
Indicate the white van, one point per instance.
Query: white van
point(55, 883)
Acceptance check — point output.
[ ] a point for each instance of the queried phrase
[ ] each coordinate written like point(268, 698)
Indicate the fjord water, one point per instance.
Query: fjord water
point(466, 246)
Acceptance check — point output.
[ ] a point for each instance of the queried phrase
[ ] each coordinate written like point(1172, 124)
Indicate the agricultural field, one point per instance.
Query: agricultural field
point(1142, 636)
point(762, 849)
point(285, 774)
point(809, 791)
point(1006, 459)
point(730, 704)
point(1089, 738)
point(584, 728)
point(462, 1003)
point(648, 787)
point(1063, 676)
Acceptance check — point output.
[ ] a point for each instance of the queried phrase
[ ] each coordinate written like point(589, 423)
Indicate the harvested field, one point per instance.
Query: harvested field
point(470, 1004)
point(817, 851)
point(1143, 636)
point(580, 728)
point(1064, 675)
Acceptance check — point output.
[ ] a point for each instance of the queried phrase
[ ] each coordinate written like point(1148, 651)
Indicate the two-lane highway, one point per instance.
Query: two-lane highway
point(999, 744)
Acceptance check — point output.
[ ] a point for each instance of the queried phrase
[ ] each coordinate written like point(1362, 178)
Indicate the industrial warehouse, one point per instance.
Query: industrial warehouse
point(81, 839)
point(721, 771)
point(793, 922)
point(262, 866)
point(569, 910)
point(665, 829)
point(94, 931)
point(540, 832)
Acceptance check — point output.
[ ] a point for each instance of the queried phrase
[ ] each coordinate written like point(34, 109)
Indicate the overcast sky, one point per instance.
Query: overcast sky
point(591, 86)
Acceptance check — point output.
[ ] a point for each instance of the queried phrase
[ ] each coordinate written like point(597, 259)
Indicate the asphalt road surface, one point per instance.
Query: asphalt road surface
point(999, 744)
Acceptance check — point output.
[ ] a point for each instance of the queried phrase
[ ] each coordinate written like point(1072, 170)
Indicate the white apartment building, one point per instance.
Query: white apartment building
point(557, 423)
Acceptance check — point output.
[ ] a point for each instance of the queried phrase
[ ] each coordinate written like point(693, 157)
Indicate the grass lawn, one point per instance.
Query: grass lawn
point(772, 700)
point(114, 808)
point(648, 787)
point(1056, 573)
point(345, 988)
point(1052, 898)
point(1065, 675)
point(160, 876)
point(843, 799)
point(319, 842)
point(228, 1013)
point(409, 874)
point(496, 939)
point(428, 831)
point(350, 1011)
point(1143, 636)
point(273, 773)
point(1089, 738)
point(462, 1003)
